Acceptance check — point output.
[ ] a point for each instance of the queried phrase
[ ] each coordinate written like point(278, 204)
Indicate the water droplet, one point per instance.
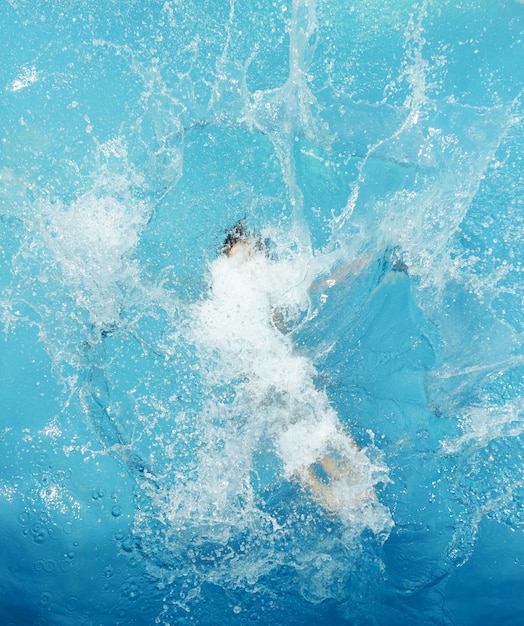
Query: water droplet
point(115, 511)
point(97, 493)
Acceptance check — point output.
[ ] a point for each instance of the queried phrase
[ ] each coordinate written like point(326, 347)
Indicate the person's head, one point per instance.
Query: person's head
point(240, 239)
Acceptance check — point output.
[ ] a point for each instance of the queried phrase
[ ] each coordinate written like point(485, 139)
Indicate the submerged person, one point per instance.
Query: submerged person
point(252, 301)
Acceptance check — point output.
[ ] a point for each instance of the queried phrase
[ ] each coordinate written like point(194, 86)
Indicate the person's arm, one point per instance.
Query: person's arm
point(339, 274)
point(388, 260)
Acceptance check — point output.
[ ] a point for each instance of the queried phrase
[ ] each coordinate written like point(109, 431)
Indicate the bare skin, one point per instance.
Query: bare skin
point(335, 468)
point(323, 491)
point(241, 248)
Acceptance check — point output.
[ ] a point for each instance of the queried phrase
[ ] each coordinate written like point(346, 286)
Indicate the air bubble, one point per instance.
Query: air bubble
point(39, 533)
point(24, 518)
point(46, 598)
point(127, 544)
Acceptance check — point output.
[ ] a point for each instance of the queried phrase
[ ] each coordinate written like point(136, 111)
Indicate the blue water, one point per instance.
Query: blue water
point(378, 147)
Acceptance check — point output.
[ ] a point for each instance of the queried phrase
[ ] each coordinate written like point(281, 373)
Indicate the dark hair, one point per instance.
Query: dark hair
point(240, 233)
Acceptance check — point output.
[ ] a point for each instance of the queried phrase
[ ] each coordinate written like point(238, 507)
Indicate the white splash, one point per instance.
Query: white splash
point(92, 240)
point(51, 429)
point(56, 498)
point(239, 332)
point(483, 424)
point(28, 76)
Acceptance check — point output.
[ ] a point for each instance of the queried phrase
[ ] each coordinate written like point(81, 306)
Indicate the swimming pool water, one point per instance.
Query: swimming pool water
point(377, 147)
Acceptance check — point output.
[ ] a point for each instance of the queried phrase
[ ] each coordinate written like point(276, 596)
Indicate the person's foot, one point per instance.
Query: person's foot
point(332, 483)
